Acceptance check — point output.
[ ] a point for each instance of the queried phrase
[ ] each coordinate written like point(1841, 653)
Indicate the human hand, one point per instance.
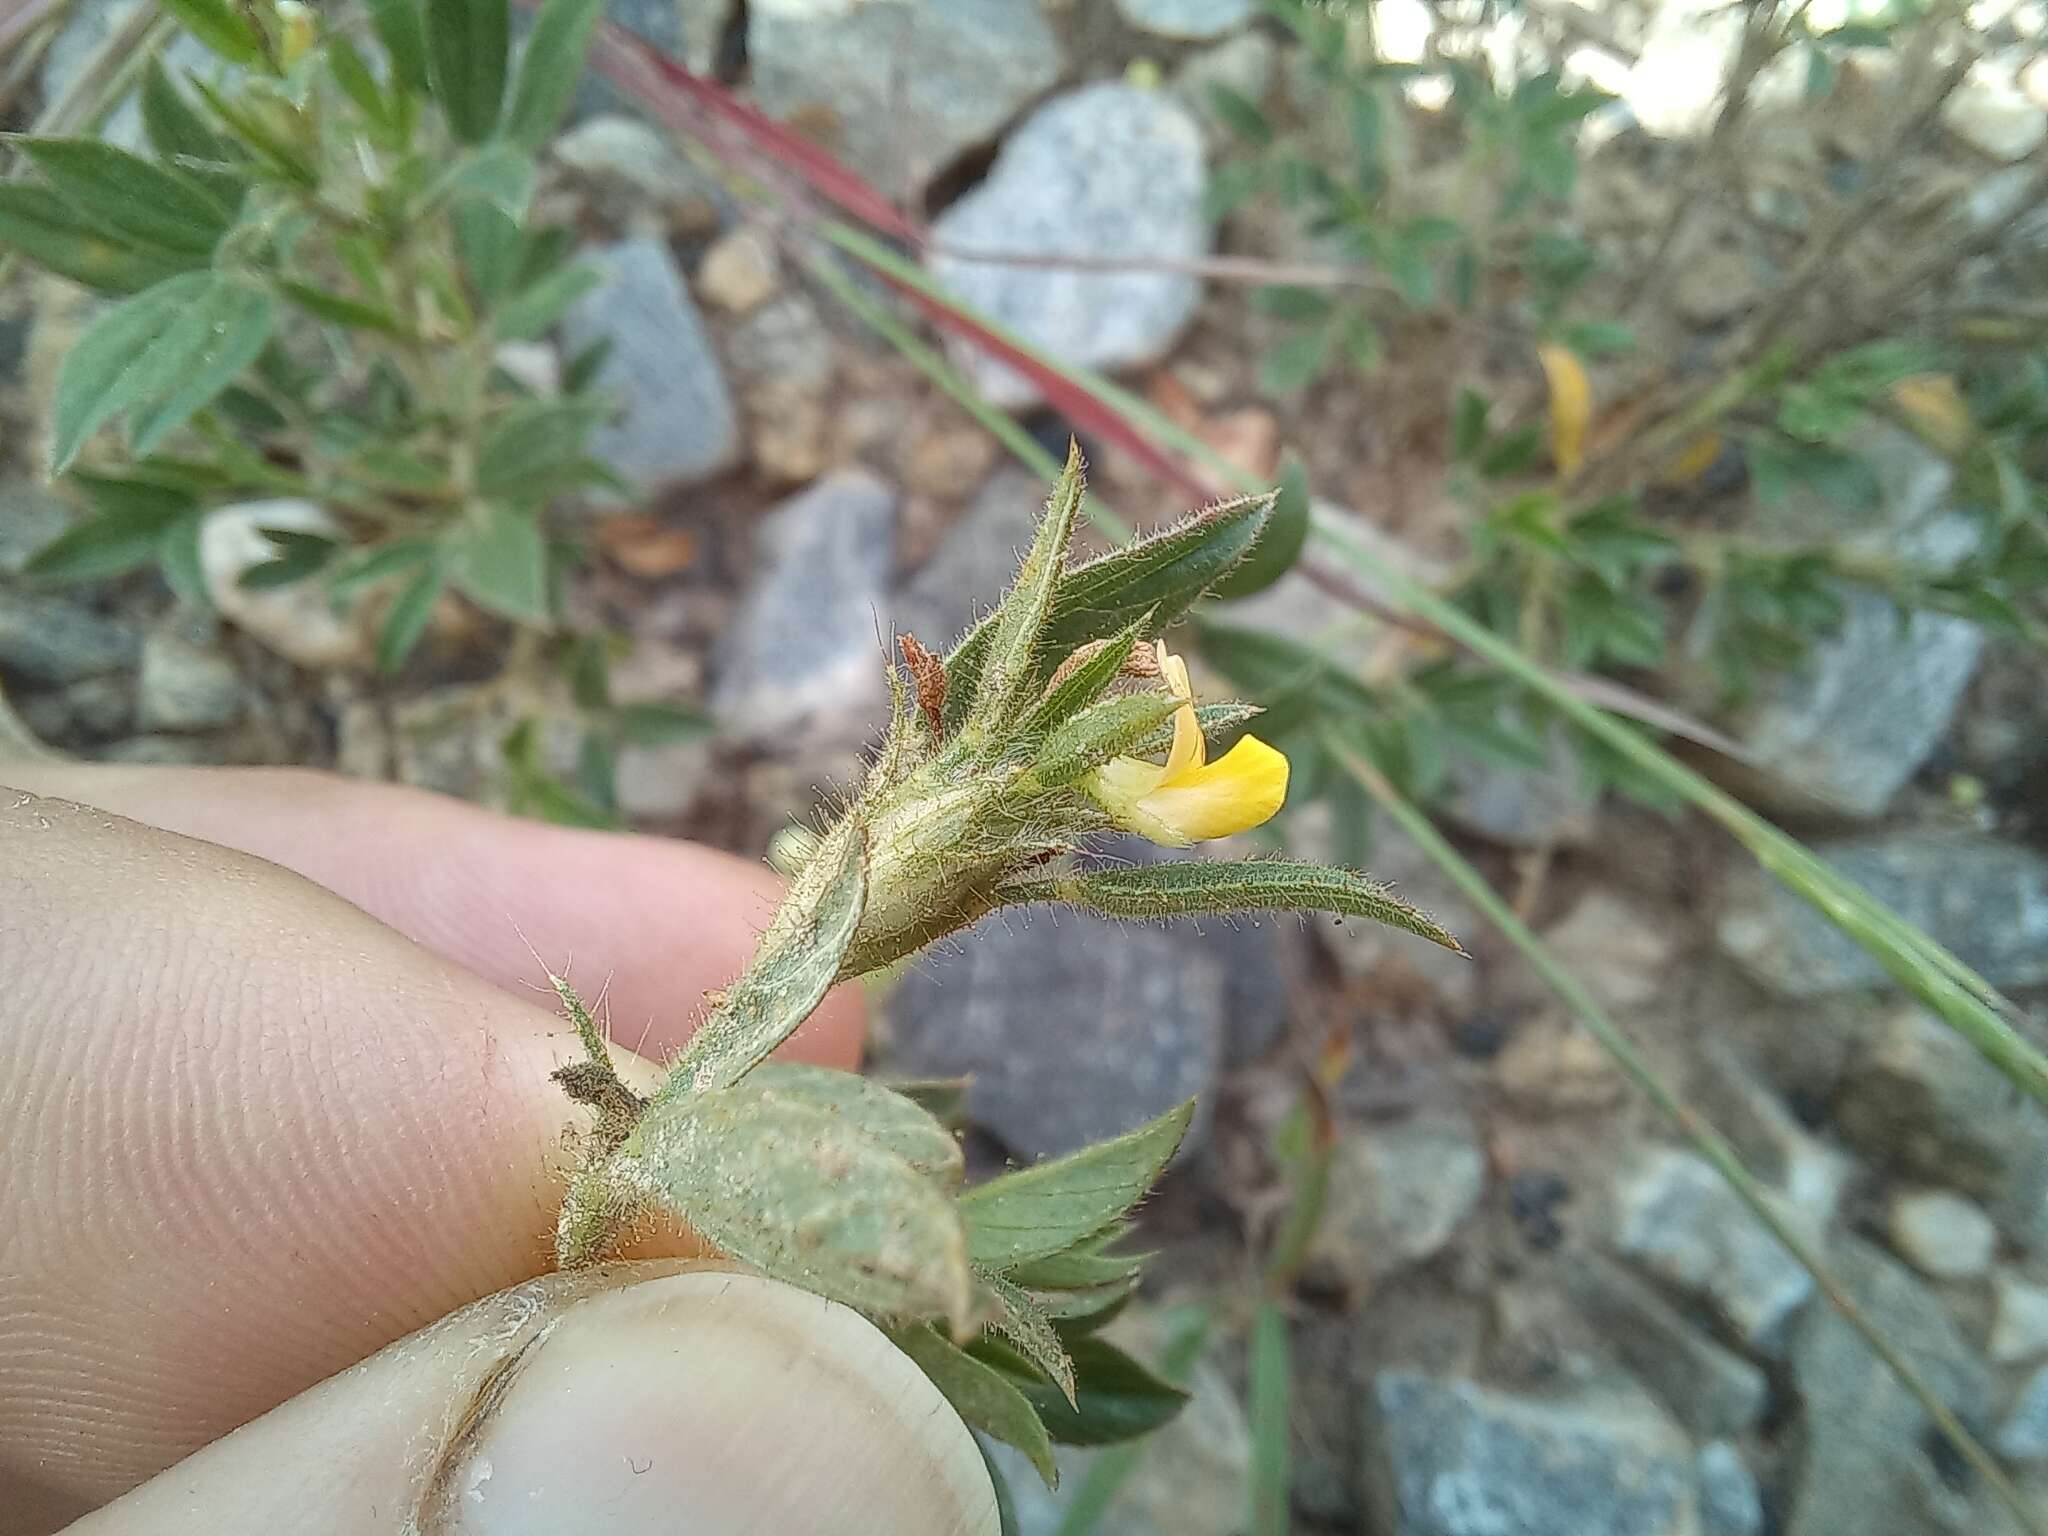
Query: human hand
point(251, 1135)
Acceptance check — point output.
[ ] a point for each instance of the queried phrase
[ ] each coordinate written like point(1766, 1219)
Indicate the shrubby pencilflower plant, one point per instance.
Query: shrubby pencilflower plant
point(1004, 759)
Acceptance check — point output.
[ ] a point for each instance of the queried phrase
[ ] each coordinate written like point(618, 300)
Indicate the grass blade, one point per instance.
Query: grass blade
point(1271, 1393)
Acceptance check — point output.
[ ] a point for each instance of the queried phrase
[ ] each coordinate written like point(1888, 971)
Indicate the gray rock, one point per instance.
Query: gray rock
point(2024, 1434)
point(906, 85)
point(689, 30)
point(1104, 171)
point(804, 650)
point(1187, 20)
point(1521, 808)
point(2019, 1319)
point(1620, 950)
point(1555, 1066)
point(1737, 1102)
point(1941, 1234)
point(186, 687)
point(1708, 1389)
point(47, 641)
point(1923, 1103)
point(1848, 727)
point(1676, 1218)
point(1731, 1504)
point(91, 709)
point(678, 422)
point(1074, 1027)
point(1398, 1193)
point(623, 153)
point(976, 563)
point(1862, 1463)
point(1451, 1458)
point(1985, 900)
point(1365, 951)
point(161, 751)
point(30, 517)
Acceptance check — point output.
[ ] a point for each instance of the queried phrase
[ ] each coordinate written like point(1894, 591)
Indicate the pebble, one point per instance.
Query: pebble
point(1941, 1234)
point(1104, 171)
point(186, 687)
point(1398, 1194)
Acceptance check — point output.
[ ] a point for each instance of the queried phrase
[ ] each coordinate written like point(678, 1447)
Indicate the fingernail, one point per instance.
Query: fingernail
point(716, 1403)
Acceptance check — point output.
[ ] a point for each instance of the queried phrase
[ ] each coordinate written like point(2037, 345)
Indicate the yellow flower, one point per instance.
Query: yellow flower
point(1189, 799)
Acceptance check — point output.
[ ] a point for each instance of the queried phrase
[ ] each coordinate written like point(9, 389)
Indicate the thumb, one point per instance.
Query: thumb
point(625, 1399)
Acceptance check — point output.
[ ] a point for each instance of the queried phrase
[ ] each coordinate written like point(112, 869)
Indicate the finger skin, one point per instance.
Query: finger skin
point(251, 1136)
point(639, 1398)
point(652, 922)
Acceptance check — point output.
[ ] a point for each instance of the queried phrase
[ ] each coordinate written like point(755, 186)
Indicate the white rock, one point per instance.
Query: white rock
point(1941, 1234)
point(299, 622)
point(739, 272)
point(1993, 111)
point(1187, 20)
point(1104, 171)
point(2019, 1319)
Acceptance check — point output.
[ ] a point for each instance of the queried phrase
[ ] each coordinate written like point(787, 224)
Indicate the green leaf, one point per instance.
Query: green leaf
point(211, 345)
point(1297, 362)
point(1292, 303)
point(983, 1397)
point(1468, 424)
point(1036, 1212)
point(536, 449)
point(1240, 114)
point(161, 355)
point(1280, 542)
point(875, 1110)
point(283, 157)
point(223, 28)
point(490, 246)
point(1232, 885)
point(549, 69)
point(127, 534)
point(369, 566)
point(1025, 1326)
point(352, 73)
point(41, 226)
point(177, 557)
point(1116, 1398)
point(1087, 740)
point(534, 308)
point(132, 198)
point(1083, 1267)
point(1008, 668)
point(661, 725)
point(342, 310)
point(407, 617)
point(498, 559)
point(497, 173)
point(1006, 1503)
point(176, 130)
point(804, 1195)
point(402, 31)
point(1599, 338)
point(1082, 685)
point(299, 555)
point(466, 42)
point(796, 963)
point(1160, 575)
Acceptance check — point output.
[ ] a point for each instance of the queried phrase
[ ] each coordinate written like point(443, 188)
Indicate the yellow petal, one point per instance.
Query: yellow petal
point(1571, 406)
point(1188, 750)
point(1241, 789)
